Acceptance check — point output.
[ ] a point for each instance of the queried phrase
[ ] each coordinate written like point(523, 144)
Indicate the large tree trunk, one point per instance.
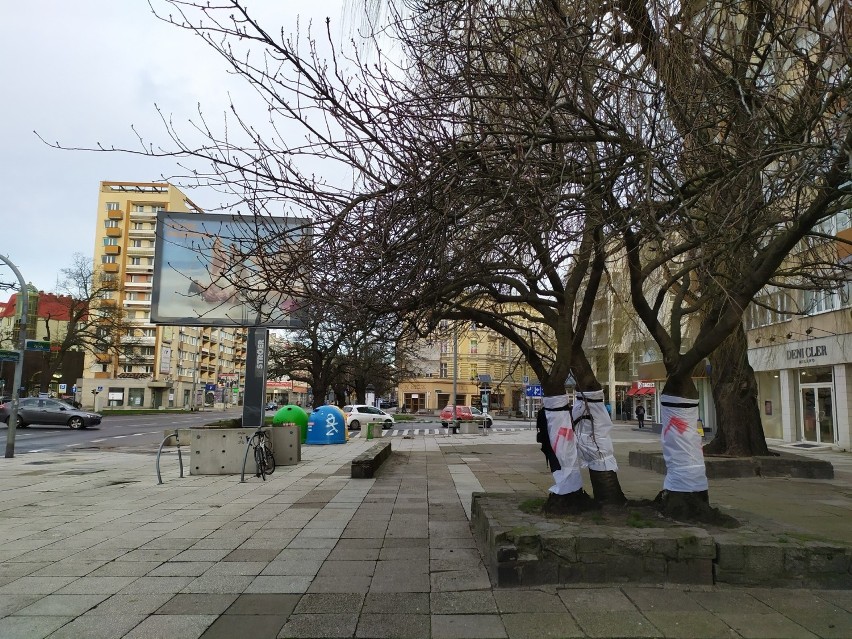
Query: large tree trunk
point(739, 429)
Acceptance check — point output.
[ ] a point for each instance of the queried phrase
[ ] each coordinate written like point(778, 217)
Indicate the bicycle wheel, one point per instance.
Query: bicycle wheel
point(260, 462)
point(270, 461)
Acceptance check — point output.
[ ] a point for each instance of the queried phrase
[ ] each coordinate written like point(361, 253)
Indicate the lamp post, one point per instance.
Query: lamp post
point(23, 300)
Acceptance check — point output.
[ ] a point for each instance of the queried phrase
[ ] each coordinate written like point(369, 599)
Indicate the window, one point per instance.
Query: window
point(110, 241)
point(115, 396)
point(107, 259)
point(111, 224)
point(442, 369)
point(136, 243)
point(138, 208)
point(135, 396)
point(474, 347)
point(444, 347)
point(112, 206)
point(821, 301)
point(135, 261)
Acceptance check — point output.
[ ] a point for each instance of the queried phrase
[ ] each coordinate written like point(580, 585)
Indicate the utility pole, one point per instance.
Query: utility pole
point(23, 300)
point(455, 425)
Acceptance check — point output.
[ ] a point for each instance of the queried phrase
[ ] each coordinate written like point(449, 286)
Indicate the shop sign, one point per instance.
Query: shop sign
point(806, 354)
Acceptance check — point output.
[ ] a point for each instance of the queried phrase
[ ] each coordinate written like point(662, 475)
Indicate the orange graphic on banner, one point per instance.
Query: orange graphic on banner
point(565, 432)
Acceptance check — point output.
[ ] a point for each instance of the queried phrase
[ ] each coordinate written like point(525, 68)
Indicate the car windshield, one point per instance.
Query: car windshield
point(347, 409)
point(475, 411)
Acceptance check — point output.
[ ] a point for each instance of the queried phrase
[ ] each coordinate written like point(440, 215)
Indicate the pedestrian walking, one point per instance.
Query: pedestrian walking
point(640, 415)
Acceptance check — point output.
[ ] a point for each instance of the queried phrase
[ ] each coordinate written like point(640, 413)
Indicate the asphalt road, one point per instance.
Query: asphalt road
point(144, 432)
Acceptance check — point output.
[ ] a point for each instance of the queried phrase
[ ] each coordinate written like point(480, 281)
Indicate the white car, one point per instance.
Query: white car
point(357, 414)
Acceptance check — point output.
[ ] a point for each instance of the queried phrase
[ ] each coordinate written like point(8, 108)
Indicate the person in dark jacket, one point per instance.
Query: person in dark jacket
point(640, 415)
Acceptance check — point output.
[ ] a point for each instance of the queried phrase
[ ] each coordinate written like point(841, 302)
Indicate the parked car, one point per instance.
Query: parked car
point(357, 414)
point(38, 410)
point(465, 414)
point(272, 406)
point(388, 403)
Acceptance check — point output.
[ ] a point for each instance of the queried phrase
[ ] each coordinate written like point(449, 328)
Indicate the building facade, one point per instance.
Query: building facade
point(163, 366)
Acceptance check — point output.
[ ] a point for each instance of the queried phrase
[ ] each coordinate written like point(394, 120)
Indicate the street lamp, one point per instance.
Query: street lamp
point(24, 301)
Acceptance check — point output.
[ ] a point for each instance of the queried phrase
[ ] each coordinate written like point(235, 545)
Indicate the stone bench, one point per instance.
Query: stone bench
point(365, 465)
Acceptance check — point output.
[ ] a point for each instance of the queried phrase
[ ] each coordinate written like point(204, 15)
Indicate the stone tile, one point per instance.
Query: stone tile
point(331, 568)
point(68, 568)
point(197, 604)
point(770, 625)
point(181, 569)
point(624, 623)
point(153, 554)
point(394, 626)
point(409, 554)
point(396, 603)
point(299, 554)
point(98, 627)
point(219, 584)
point(279, 584)
point(587, 599)
point(125, 569)
point(210, 555)
point(319, 626)
point(304, 567)
point(172, 626)
point(253, 555)
point(62, 605)
point(354, 554)
point(325, 603)
point(467, 627)
point(663, 599)
point(10, 604)
point(695, 624)
point(264, 604)
point(253, 568)
point(254, 626)
point(463, 603)
point(456, 580)
point(541, 625)
point(341, 583)
point(36, 585)
point(736, 602)
point(312, 542)
point(153, 585)
point(20, 627)
point(828, 625)
point(130, 605)
point(509, 601)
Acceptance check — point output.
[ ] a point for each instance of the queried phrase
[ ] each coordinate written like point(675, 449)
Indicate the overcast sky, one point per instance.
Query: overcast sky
point(82, 73)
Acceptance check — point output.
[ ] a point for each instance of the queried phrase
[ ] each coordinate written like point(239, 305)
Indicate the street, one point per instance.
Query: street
point(144, 432)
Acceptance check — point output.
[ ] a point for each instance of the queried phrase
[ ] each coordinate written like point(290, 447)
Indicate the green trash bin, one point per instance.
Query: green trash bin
point(292, 414)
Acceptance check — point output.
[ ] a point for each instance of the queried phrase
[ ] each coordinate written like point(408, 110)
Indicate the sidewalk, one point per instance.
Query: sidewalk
point(92, 547)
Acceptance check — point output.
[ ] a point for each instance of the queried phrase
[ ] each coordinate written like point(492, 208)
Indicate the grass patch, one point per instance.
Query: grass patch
point(637, 520)
point(532, 506)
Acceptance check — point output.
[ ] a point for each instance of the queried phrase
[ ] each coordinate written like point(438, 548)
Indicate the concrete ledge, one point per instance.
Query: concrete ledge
point(365, 465)
point(523, 548)
point(782, 465)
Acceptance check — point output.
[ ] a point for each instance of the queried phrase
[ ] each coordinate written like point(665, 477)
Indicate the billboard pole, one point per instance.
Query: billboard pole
point(255, 379)
point(23, 300)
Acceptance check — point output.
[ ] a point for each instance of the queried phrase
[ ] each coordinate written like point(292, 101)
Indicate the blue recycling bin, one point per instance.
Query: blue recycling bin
point(326, 425)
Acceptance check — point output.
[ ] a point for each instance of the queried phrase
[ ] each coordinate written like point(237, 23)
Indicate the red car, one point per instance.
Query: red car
point(465, 414)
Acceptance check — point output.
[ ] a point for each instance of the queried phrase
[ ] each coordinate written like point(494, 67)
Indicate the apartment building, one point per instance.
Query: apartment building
point(162, 366)
point(475, 358)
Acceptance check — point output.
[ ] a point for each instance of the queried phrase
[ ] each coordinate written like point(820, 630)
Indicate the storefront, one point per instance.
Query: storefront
point(803, 390)
point(642, 393)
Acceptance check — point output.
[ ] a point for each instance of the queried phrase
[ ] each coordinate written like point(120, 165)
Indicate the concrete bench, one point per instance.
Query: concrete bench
point(365, 465)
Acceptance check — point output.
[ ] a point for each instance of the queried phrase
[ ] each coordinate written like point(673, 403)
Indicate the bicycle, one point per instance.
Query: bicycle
point(263, 457)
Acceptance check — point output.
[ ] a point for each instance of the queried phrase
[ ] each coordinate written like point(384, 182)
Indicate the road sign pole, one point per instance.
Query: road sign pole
point(23, 300)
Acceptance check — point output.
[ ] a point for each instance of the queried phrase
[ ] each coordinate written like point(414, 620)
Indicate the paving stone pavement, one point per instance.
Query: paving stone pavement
point(92, 547)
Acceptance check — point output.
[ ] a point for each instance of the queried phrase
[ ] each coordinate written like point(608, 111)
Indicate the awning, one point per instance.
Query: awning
point(648, 390)
point(633, 391)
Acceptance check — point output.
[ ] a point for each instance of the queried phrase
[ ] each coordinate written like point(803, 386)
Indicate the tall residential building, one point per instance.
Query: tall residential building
point(162, 366)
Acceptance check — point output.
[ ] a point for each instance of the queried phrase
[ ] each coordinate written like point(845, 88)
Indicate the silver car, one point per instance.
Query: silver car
point(38, 410)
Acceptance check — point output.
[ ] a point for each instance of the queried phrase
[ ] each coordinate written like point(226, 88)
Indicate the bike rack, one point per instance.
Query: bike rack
point(160, 450)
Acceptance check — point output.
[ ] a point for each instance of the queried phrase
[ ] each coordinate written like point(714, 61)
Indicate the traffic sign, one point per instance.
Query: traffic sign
point(534, 390)
point(63, 388)
point(10, 356)
point(38, 345)
point(100, 388)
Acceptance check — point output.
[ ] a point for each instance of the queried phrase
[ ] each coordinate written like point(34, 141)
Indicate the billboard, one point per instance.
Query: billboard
point(228, 270)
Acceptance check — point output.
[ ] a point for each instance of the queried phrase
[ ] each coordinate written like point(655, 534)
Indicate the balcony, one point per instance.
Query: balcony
point(146, 233)
point(112, 249)
point(115, 215)
point(148, 215)
point(139, 341)
point(138, 268)
point(140, 250)
point(137, 303)
point(113, 231)
point(138, 285)
point(110, 268)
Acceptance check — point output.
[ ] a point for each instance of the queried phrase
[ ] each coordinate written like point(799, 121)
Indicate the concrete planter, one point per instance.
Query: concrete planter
point(221, 451)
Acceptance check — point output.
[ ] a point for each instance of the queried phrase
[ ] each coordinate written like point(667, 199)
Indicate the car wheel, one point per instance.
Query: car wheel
point(21, 423)
point(444, 424)
point(355, 425)
point(388, 424)
point(76, 423)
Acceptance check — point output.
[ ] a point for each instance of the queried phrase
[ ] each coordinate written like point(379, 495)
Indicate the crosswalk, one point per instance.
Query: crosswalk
point(413, 432)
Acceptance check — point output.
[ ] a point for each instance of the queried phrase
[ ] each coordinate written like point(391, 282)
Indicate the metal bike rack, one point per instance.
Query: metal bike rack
point(160, 450)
